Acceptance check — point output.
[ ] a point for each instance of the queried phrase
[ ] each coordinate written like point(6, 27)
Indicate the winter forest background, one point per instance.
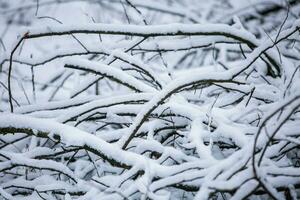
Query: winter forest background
point(149, 99)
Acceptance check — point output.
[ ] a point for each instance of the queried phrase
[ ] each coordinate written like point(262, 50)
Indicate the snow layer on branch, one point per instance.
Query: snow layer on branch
point(150, 30)
point(110, 72)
